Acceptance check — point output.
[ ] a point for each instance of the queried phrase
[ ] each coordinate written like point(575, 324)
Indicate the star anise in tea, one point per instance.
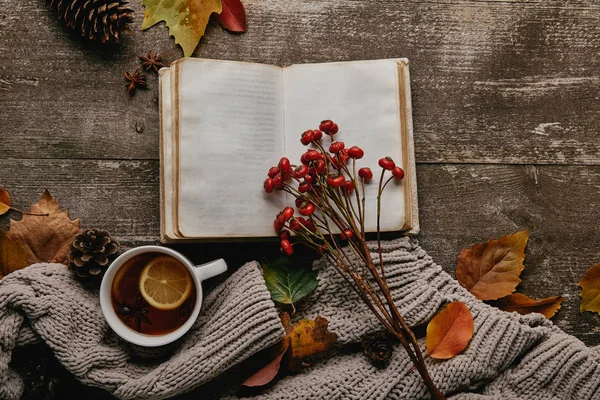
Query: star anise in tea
point(151, 61)
point(135, 80)
point(136, 311)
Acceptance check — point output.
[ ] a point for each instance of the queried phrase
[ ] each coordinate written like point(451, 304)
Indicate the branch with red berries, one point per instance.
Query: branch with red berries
point(329, 194)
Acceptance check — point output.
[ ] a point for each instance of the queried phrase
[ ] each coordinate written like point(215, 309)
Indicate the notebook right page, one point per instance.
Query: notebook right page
point(362, 97)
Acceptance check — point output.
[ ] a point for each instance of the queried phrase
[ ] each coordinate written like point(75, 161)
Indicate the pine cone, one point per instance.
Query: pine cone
point(99, 20)
point(90, 254)
point(378, 347)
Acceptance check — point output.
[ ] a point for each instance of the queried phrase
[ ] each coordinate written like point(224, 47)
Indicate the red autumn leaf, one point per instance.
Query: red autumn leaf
point(450, 331)
point(4, 201)
point(267, 373)
point(590, 290)
point(524, 305)
point(491, 270)
point(233, 16)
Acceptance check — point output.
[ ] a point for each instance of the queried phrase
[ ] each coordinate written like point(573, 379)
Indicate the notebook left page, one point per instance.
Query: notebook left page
point(228, 131)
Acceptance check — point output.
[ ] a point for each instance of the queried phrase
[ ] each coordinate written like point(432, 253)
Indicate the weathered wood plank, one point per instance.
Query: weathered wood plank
point(493, 81)
point(459, 205)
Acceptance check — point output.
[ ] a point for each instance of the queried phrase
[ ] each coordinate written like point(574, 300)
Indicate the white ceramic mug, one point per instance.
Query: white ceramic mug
point(198, 272)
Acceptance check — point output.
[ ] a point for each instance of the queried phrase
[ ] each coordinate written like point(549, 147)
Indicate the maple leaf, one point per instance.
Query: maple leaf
point(4, 201)
point(303, 339)
point(590, 290)
point(12, 256)
point(288, 282)
point(45, 238)
point(233, 16)
point(450, 331)
point(491, 270)
point(522, 304)
point(186, 19)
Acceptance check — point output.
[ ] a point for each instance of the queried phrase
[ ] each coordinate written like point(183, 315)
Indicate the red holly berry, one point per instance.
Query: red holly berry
point(304, 187)
point(336, 180)
point(269, 185)
point(295, 223)
point(287, 213)
point(346, 234)
point(310, 225)
point(300, 171)
point(299, 201)
point(278, 181)
point(286, 247)
point(329, 127)
point(365, 173)
point(336, 147)
point(273, 171)
point(307, 209)
point(398, 173)
point(284, 165)
point(307, 137)
point(318, 134)
point(349, 186)
point(310, 178)
point(320, 166)
point(278, 223)
point(313, 155)
point(387, 163)
point(284, 234)
point(355, 152)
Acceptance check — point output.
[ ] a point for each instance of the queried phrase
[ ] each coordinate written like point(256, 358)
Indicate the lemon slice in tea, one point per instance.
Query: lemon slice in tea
point(165, 283)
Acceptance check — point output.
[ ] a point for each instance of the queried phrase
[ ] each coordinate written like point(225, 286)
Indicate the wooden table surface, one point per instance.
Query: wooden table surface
point(506, 98)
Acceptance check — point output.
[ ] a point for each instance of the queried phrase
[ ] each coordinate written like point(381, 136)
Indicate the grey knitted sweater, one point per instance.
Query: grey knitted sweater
point(509, 357)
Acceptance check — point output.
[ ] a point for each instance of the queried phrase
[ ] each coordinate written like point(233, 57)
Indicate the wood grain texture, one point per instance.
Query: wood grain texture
point(492, 81)
point(459, 205)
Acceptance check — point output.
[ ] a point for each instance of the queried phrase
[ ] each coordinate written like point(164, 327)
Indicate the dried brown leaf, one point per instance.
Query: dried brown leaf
point(525, 305)
point(12, 256)
point(4, 201)
point(45, 238)
point(267, 373)
point(450, 331)
point(491, 270)
point(590, 290)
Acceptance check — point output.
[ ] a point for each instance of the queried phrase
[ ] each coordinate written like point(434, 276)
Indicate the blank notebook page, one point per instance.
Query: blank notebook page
point(363, 99)
point(230, 133)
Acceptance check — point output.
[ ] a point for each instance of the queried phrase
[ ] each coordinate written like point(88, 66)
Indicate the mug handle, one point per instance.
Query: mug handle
point(210, 269)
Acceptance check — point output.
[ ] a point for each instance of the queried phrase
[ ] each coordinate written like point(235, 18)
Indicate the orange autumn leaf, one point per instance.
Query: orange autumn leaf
point(45, 238)
point(12, 256)
point(4, 201)
point(491, 270)
point(590, 290)
point(450, 331)
point(307, 338)
point(524, 305)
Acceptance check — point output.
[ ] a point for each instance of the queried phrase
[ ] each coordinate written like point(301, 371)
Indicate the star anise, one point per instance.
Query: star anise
point(152, 61)
point(135, 80)
point(136, 312)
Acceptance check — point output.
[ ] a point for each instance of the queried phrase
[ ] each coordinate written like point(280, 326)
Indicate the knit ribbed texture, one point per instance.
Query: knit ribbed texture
point(510, 356)
point(237, 320)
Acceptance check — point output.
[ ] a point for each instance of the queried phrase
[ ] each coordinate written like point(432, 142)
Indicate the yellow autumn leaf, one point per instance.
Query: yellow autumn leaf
point(590, 290)
point(12, 256)
point(449, 332)
point(491, 270)
point(186, 19)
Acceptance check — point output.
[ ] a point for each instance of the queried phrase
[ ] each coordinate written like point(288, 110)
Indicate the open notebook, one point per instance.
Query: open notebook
point(224, 123)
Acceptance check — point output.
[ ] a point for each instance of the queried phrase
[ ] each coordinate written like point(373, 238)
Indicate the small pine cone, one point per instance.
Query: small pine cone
point(91, 252)
point(378, 347)
point(99, 20)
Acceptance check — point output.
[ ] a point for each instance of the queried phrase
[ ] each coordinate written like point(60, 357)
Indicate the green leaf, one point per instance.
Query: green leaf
point(186, 19)
point(287, 282)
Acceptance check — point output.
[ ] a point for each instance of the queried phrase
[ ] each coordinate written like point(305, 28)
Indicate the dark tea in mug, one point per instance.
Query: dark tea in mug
point(153, 294)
